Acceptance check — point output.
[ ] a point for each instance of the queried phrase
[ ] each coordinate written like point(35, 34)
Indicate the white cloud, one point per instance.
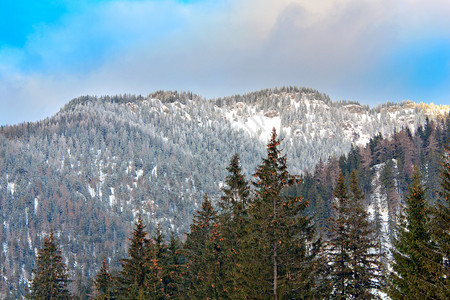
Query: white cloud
point(216, 49)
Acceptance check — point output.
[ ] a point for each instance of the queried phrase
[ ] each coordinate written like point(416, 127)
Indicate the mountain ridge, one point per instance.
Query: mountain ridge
point(91, 168)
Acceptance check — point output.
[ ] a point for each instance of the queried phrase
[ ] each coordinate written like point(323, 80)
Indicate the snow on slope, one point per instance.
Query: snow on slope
point(378, 208)
point(302, 119)
point(259, 124)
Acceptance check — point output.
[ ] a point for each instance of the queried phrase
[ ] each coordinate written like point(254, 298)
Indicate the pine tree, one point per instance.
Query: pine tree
point(354, 260)
point(104, 282)
point(204, 259)
point(281, 261)
point(413, 273)
point(134, 268)
point(233, 222)
point(51, 278)
point(440, 230)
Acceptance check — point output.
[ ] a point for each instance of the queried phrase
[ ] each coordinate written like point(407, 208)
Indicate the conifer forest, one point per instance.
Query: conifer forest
point(277, 194)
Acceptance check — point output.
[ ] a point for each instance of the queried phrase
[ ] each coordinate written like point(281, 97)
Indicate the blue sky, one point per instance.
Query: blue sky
point(371, 51)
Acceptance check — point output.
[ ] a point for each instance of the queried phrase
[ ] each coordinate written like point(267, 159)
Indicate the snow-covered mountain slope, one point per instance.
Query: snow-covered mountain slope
point(90, 169)
point(309, 119)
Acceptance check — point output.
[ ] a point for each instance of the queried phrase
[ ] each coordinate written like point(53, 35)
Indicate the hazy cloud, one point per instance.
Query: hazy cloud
point(346, 48)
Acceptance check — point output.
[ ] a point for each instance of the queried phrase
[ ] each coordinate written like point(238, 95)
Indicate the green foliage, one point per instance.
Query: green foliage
point(440, 231)
point(283, 253)
point(134, 268)
point(354, 261)
point(104, 283)
point(172, 278)
point(414, 273)
point(236, 191)
point(50, 274)
point(204, 257)
point(233, 224)
point(156, 253)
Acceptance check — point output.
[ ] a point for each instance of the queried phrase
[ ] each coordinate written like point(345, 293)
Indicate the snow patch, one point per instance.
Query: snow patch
point(379, 203)
point(259, 125)
point(29, 240)
point(112, 197)
point(11, 188)
point(91, 191)
point(5, 248)
point(139, 173)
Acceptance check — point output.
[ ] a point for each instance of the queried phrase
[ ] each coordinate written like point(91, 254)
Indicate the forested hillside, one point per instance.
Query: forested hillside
point(259, 243)
point(385, 168)
point(87, 172)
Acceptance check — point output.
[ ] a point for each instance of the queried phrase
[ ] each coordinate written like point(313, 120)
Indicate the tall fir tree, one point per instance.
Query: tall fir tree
point(104, 283)
point(204, 258)
point(50, 275)
point(173, 269)
point(413, 275)
point(233, 225)
point(355, 262)
point(282, 253)
point(366, 259)
point(236, 190)
point(339, 241)
point(440, 230)
point(155, 258)
point(135, 268)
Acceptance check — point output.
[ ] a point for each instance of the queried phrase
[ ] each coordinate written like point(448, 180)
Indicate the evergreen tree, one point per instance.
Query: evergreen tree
point(366, 260)
point(50, 275)
point(355, 262)
point(413, 264)
point(155, 259)
point(281, 261)
point(134, 268)
point(233, 222)
point(173, 272)
point(204, 259)
point(339, 254)
point(440, 230)
point(104, 282)
point(237, 190)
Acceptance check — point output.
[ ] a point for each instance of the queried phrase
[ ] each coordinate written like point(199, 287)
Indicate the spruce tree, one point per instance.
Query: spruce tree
point(173, 270)
point(366, 260)
point(440, 231)
point(155, 259)
point(50, 275)
point(204, 259)
point(339, 242)
point(354, 260)
point(134, 268)
point(413, 274)
point(237, 190)
point(233, 223)
point(104, 283)
point(281, 253)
